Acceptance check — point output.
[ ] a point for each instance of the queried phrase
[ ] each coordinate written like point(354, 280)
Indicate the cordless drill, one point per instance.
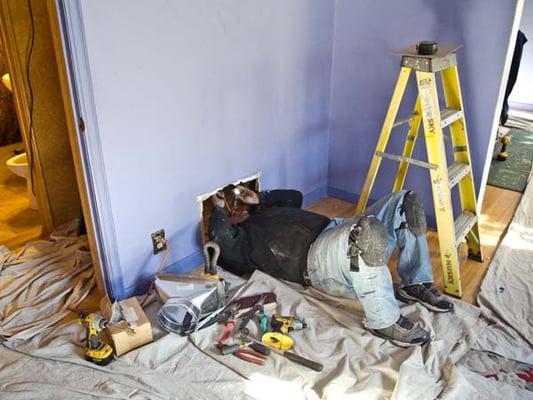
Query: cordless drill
point(96, 351)
point(285, 325)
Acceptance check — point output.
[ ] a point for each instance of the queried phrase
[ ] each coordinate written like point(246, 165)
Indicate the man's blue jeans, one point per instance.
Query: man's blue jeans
point(329, 264)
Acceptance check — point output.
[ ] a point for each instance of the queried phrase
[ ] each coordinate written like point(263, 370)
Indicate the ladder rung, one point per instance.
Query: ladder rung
point(463, 225)
point(456, 172)
point(410, 160)
point(400, 122)
point(449, 115)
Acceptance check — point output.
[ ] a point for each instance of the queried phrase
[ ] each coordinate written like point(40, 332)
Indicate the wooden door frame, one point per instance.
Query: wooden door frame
point(92, 201)
point(519, 5)
point(68, 34)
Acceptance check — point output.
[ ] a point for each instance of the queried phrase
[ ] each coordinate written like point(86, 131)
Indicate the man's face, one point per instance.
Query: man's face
point(237, 210)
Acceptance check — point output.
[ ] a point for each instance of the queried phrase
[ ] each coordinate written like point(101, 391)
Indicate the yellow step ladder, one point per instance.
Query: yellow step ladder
point(443, 177)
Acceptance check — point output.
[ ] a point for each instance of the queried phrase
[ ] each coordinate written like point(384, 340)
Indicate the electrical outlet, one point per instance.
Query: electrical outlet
point(158, 241)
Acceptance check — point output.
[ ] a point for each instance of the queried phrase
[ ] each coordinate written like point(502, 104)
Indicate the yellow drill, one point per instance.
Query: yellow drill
point(285, 325)
point(96, 351)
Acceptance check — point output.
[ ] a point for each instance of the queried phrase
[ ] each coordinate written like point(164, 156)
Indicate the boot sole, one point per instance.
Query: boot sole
point(431, 307)
point(398, 342)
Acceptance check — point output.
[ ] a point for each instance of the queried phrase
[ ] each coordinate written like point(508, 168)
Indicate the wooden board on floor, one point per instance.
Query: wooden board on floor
point(497, 211)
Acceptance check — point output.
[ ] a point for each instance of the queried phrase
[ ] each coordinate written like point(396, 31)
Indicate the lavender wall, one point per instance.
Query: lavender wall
point(364, 74)
point(194, 94)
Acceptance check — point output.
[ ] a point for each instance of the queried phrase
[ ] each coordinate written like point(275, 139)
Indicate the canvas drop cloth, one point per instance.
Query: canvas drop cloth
point(355, 361)
point(50, 364)
point(506, 294)
point(41, 281)
point(41, 358)
point(47, 361)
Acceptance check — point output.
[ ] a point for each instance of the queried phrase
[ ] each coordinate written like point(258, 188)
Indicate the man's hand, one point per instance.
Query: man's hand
point(218, 199)
point(247, 196)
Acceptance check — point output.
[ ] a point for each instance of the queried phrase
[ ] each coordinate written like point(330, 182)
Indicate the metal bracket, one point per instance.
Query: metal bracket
point(429, 64)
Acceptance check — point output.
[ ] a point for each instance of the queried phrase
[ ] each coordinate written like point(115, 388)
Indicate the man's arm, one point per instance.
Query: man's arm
point(231, 238)
point(281, 198)
point(270, 198)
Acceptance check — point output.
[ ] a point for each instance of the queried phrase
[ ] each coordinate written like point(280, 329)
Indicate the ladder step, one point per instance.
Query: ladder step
point(463, 225)
point(410, 160)
point(456, 172)
point(449, 115)
point(400, 122)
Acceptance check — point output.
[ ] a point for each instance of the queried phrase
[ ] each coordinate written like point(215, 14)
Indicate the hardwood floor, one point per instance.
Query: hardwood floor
point(18, 224)
point(497, 211)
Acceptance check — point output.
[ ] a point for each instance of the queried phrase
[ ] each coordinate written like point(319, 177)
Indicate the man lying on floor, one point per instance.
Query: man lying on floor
point(342, 258)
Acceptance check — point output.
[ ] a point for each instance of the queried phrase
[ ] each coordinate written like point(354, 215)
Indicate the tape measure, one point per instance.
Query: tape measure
point(278, 340)
point(426, 47)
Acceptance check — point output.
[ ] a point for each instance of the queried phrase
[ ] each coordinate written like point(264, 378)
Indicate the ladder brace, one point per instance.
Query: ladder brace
point(409, 160)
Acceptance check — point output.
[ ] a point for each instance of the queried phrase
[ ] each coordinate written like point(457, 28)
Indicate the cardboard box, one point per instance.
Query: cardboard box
point(132, 330)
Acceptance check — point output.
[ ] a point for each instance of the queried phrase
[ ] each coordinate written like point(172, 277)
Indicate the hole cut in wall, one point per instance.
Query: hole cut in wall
point(233, 207)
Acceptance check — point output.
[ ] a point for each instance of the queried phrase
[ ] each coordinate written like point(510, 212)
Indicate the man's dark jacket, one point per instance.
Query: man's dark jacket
point(274, 239)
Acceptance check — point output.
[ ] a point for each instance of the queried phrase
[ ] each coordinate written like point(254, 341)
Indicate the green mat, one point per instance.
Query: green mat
point(513, 173)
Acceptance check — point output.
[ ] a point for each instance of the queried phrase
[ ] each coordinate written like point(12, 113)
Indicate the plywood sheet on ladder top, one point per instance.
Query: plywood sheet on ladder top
point(442, 51)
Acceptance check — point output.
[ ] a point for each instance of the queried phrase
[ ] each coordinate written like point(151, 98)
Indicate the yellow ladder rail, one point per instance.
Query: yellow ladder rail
point(397, 95)
point(443, 177)
point(412, 135)
point(461, 153)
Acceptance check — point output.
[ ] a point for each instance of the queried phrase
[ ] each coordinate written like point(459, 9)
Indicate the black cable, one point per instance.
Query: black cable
point(30, 94)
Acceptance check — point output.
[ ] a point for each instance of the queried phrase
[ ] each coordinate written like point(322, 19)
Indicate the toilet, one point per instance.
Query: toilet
point(19, 166)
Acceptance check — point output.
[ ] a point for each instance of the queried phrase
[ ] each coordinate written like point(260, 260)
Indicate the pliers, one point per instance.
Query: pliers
point(229, 326)
point(263, 320)
point(257, 354)
point(251, 356)
point(259, 310)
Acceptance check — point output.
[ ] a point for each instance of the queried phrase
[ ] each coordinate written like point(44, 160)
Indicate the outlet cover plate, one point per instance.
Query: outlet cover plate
point(159, 242)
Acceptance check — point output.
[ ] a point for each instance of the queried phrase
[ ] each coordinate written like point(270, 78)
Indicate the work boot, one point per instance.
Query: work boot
point(427, 295)
point(403, 333)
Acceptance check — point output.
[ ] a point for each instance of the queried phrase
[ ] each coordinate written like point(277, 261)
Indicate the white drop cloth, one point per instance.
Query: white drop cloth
point(41, 281)
point(506, 294)
point(51, 365)
point(355, 361)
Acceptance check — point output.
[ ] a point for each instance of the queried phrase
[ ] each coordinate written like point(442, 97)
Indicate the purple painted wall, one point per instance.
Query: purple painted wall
point(194, 94)
point(191, 95)
point(364, 74)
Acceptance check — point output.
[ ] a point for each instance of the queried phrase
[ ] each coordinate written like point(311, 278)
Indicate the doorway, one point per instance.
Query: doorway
point(20, 220)
point(512, 155)
point(40, 191)
point(32, 45)
point(502, 185)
